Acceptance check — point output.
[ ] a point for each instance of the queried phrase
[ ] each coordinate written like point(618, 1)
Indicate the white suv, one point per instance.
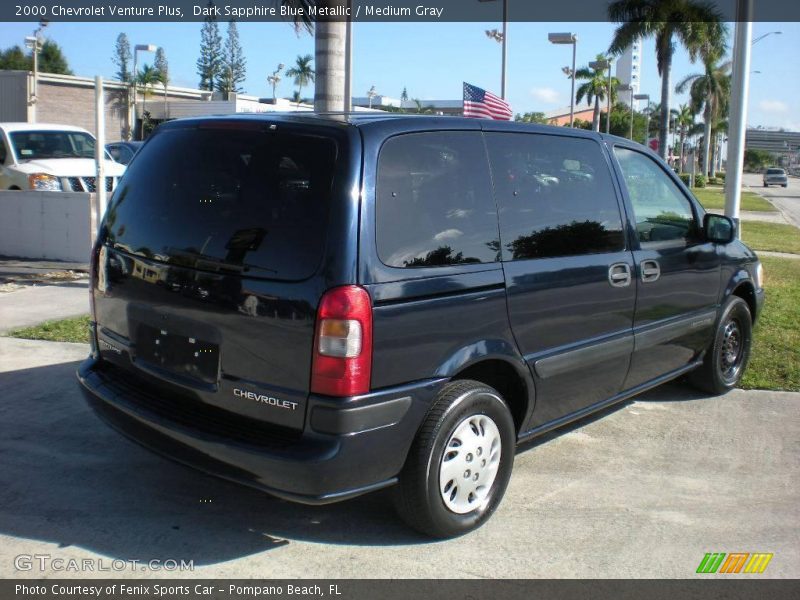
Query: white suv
point(57, 158)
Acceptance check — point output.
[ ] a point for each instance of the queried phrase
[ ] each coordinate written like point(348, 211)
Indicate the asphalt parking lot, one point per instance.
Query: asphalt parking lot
point(644, 491)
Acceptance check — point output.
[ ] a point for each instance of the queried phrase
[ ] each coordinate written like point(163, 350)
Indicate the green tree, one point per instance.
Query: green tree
point(531, 117)
point(709, 91)
point(757, 160)
point(146, 79)
point(208, 65)
point(621, 121)
point(404, 95)
point(52, 59)
point(122, 58)
point(695, 23)
point(683, 121)
point(15, 59)
point(161, 66)
point(302, 72)
point(233, 70)
point(595, 89)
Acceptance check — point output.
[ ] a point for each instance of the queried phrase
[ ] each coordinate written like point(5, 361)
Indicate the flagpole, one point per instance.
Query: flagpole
point(505, 50)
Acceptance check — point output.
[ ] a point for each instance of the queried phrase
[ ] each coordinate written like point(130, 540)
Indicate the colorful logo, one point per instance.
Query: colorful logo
point(736, 562)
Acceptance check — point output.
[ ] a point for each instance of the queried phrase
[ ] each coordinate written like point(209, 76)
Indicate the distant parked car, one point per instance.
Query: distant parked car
point(122, 152)
point(775, 176)
point(56, 158)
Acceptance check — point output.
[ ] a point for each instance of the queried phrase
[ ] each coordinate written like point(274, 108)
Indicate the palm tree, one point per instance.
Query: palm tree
point(709, 91)
point(595, 89)
point(302, 72)
point(683, 121)
point(696, 24)
point(146, 78)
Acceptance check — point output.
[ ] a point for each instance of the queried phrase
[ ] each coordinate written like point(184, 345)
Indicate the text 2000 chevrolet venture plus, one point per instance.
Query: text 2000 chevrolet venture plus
point(321, 306)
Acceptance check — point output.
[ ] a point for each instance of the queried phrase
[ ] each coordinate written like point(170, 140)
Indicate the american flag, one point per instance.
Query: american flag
point(481, 104)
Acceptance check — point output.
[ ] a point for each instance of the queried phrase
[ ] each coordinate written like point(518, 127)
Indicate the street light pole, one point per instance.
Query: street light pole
point(608, 100)
point(647, 114)
point(738, 110)
point(761, 37)
point(568, 38)
point(136, 49)
point(502, 37)
point(34, 43)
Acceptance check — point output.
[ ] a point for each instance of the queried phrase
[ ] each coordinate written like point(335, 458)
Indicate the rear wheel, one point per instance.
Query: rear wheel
point(460, 462)
point(726, 358)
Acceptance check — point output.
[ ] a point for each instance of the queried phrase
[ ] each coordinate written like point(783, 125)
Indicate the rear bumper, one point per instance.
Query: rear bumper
point(348, 447)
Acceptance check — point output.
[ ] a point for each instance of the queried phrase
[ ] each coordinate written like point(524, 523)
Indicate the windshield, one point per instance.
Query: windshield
point(33, 145)
point(774, 171)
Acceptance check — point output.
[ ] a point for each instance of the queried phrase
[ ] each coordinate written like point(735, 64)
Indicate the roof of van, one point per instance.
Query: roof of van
point(360, 119)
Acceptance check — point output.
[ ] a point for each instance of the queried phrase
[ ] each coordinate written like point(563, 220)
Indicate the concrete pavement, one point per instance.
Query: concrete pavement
point(24, 306)
point(644, 491)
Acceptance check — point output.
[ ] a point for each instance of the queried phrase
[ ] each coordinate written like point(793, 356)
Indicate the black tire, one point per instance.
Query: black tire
point(727, 356)
point(418, 498)
point(784, 185)
point(766, 185)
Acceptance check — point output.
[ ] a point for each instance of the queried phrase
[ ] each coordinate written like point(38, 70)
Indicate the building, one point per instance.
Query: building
point(560, 116)
point(785, 145)
point(437, 107)
point(629, 71)
point(70, 100)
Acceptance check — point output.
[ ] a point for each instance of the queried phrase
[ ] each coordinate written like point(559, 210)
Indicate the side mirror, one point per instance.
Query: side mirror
point(719, 228)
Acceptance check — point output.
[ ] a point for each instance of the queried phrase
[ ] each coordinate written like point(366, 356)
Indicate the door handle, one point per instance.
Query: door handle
point(650, 270)
point(619, 275)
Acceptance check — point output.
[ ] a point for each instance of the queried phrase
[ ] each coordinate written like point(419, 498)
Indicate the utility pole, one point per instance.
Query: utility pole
point(738, 110)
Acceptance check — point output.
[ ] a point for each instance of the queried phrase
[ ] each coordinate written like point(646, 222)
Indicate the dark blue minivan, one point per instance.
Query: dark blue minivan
point(320, 306)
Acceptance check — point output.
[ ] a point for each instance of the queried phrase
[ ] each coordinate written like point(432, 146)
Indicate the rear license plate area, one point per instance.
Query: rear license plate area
point(179, 354)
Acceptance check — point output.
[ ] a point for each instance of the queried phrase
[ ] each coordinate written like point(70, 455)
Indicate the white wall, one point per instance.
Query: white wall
point(46, 225)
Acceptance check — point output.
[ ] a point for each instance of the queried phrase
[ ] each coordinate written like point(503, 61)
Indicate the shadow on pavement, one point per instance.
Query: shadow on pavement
point(68, 479)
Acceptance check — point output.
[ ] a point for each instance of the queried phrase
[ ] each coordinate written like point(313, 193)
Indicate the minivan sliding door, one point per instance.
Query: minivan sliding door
point(569, 274)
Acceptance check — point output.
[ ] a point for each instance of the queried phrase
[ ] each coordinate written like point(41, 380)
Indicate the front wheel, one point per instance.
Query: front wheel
point(726, 358)
point(460, 462)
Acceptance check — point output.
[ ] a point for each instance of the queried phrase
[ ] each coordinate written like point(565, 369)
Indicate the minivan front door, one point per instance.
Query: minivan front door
point(569, 273)
point(677, 271)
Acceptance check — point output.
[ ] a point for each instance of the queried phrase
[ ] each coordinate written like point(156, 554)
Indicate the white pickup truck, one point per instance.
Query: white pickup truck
point(57, 158)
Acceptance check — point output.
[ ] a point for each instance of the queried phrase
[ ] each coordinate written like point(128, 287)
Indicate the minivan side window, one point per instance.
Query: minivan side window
point(662, 213)
point(434, 201)
point(555, 196)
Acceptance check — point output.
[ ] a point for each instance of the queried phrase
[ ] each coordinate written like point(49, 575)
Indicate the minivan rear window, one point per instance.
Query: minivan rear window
point(227, 199)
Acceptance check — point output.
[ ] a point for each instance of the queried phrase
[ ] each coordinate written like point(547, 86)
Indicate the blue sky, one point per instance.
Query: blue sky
point(432, 59)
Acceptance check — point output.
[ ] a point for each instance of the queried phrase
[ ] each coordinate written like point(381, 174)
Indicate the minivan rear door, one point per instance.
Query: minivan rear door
point(213, 261)
point(568, 269)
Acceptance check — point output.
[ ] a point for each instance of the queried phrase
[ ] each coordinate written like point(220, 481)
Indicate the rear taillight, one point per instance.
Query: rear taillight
point(342, 361)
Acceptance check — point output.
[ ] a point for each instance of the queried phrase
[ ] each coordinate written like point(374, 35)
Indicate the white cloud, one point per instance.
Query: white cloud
point(773, 106)
point(448, 234)
point(546, 95)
